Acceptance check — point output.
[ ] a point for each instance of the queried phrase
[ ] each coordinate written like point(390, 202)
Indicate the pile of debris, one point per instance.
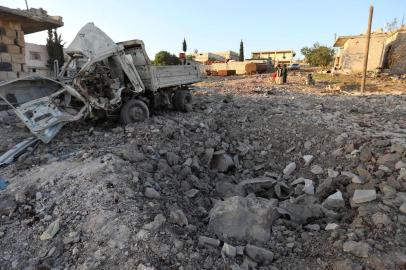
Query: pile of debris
point(288, 181)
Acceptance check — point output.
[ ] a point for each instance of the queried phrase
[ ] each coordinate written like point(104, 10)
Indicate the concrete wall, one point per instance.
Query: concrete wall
point(395, 58)
point(352, 54)
point(239, 67)
point(281, 57)
point(12, 59)
point(36, 59)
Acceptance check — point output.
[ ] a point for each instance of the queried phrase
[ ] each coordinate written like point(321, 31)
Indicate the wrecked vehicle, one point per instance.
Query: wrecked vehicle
point(101, 79)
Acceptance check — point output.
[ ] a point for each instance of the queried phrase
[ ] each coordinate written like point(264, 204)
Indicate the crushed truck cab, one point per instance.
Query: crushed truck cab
point(101, 78)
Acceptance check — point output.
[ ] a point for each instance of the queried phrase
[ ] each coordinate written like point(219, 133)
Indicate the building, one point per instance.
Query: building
point(228, 55)
point(350, 57)
point(277, 57)
point(14, 24)
point(387, 52)
point(222, 56)
point(36, 59)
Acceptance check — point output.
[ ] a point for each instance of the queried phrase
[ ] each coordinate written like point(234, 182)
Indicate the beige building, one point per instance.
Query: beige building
point(36, 59)
point(277, 57)
point(221, 56)
point(387, 52)
point(228, 55)
point(14, 24)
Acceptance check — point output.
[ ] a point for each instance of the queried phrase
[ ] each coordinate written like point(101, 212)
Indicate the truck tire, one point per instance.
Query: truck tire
point(183, 100)
point(134, 111)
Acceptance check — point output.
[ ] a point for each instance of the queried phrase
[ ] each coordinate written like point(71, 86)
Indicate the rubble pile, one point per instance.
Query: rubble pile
point(288, 180)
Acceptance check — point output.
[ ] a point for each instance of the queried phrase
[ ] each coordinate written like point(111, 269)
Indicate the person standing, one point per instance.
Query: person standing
point(284, 74)
point(279, 75)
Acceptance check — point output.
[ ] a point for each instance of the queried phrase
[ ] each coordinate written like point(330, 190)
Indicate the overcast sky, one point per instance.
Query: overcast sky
point(217, 25)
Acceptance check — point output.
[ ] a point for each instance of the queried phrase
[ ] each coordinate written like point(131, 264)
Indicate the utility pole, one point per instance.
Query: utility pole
point(364, 72)
point(26, 4)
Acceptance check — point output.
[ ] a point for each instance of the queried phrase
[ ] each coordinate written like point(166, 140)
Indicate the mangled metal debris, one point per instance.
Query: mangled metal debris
point(17, 150)
point(101, 78)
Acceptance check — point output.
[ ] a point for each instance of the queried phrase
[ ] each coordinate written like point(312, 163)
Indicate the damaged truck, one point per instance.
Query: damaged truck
point(100, 79)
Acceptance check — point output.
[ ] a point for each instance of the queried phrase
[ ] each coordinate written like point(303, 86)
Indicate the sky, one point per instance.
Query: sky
point(217, 25)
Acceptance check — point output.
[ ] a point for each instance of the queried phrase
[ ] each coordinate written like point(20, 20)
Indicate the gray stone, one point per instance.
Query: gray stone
point(359, 249)
point(226, 189)
point(308, 159)
point(346, 265)
point(364, 195)
point(207, 241)
point(301, 208)
point(151, 193)
point(229, 250)
point(381, 219)
point(191, 193)
point(316, 169)
point(159, 220)
point(400, 164)
point(221, 162)
point(313, 227)
point(177, 216)
point(334, 201)
point(172, 158)
point(289, 169)
point(243, 218)
point(388, 160)
point(402, 208)
point(331, 226)
point(7, 206)
point(259, 255)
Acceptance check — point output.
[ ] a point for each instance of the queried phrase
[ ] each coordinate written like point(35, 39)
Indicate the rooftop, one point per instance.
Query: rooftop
point(341, 40)
point(32, 20)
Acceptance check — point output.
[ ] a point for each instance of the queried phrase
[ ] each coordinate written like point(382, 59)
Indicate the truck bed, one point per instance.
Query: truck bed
point(170, 76)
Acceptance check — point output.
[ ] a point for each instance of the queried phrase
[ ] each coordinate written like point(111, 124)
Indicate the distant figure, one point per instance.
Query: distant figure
point(284, 74)
point(279, 74)
point(309, 79)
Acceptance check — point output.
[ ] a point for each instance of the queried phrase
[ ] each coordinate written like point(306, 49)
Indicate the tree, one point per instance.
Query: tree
point(392, 25)
point(184, 45)
point(318, 55)
point(164, 58)
point(54, 49)
point(241, 58)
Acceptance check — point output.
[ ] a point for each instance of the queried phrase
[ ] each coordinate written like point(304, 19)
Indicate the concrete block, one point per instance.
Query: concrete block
point(7, 40)
point(11, 33)
point(16, 67)
point(13, 49)
point(3, 76)
point(17, 58)
point(5, 57)
point(364, 195)
point(14, 25)
point(11, 75)
point(20, 39)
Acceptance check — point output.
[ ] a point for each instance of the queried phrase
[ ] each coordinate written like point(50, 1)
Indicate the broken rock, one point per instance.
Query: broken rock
point(364, 195)
point(316, 169)
point(51, 231)
point(301, 208)
point(359, 249)
point(207, 241)
point(259, 255)
point(334, 201)
point(243, 218)
point(289, 169)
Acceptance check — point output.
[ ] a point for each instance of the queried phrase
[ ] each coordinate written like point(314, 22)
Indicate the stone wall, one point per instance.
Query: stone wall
point(12, 58)
point(397, 54)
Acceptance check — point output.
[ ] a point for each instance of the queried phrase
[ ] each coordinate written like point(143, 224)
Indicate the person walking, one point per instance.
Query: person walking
point(284, 74)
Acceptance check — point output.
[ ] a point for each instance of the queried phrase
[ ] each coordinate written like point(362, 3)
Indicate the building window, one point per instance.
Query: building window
point(35, 56)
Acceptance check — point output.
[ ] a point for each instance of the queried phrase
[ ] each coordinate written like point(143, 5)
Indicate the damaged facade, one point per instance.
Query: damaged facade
point(387, 52)
point(14, 24)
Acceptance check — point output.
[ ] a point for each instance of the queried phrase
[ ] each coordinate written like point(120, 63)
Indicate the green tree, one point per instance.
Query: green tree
point(164, 58)
point(184, 45)
point(241, 58)
point(318, 55)
point(54, 49)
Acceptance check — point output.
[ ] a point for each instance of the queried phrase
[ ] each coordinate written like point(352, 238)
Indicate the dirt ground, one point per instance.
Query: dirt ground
point(142, 196)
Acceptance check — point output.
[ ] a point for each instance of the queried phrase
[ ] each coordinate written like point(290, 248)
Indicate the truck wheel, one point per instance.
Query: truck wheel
point(134, 111)
point(183, 100)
